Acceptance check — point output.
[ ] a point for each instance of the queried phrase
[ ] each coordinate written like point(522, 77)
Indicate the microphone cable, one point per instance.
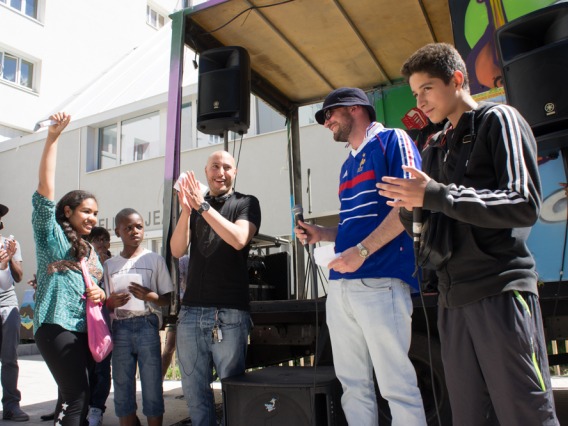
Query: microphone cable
point(417, 273)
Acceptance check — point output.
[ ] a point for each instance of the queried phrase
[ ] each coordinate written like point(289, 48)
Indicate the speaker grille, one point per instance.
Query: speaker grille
point(223, 99)
point(533, 51)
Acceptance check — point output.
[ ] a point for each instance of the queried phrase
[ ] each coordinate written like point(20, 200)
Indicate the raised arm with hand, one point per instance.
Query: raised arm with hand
point(46, 185)
point(181, 235)
point(237, 234)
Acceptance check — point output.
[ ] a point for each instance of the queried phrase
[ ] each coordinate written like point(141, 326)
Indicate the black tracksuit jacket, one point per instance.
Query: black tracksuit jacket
point(494, 207)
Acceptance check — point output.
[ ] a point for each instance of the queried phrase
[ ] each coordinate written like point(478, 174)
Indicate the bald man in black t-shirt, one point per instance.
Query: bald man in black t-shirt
point(214, 321)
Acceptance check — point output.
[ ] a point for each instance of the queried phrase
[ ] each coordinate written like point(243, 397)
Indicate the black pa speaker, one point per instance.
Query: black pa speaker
point(223, 91)
point(533, 50)
point(284, 396)
point(278, 274)
point(269, 276)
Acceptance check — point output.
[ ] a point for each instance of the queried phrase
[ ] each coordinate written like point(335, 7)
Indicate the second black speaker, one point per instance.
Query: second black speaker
point(534, 54)
point(223, 98)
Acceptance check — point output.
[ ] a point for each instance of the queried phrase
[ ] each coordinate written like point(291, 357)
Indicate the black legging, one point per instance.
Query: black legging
point(67, 355)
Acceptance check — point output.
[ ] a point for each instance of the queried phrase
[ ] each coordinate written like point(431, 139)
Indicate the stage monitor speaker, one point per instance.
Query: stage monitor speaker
point(284, 396)
point(278, 274)
point(269, 276)
point(533, 50)
point(223, 91)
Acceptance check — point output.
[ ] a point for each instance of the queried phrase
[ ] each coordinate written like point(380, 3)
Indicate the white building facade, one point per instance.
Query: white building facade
point(50, 51)
point(115, 146)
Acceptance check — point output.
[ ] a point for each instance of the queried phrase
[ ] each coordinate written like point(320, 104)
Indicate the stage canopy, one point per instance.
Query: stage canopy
point(302, 49)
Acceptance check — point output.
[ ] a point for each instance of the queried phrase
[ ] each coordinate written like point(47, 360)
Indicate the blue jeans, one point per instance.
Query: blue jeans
point(369, 323)
point(9, 356)
point(197, 354)
point(100, 380)
point(137, 340)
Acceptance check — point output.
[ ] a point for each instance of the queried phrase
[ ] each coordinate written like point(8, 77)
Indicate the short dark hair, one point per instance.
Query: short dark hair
point(439, 60)
point(96, 232)
point(123, 214)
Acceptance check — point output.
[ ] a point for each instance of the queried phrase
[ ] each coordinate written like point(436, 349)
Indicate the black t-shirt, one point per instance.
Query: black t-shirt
point(217, 273)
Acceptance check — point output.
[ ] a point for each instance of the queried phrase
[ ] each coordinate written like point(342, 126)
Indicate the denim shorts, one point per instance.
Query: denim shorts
point(137, 340)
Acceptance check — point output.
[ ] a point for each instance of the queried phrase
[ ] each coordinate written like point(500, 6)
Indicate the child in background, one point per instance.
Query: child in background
point(99, 377)
point(136, 320)
point(170, 343)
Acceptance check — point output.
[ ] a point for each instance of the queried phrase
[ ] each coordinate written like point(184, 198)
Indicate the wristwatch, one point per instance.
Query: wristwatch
point(363, 252)
point(203, 207)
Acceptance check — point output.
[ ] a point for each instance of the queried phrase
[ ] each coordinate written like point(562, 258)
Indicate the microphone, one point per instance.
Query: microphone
point(298, 212)
point(416, 227)
point(44, 123)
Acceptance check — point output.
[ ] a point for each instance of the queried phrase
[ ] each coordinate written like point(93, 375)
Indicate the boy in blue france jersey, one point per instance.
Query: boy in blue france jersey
point(368, 306)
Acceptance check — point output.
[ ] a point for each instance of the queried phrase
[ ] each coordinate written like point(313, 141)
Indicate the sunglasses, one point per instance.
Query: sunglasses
point(329, 112)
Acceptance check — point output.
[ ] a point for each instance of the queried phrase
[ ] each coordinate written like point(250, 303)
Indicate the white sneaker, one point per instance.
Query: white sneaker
point(95, 416)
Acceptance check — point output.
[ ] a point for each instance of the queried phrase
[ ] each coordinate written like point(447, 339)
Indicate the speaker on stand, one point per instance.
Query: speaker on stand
point(223, 91)
point(533, 51)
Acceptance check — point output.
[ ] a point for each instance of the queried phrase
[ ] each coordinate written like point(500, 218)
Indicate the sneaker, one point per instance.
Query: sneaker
point(47, 417)
point(16, 415)
point(95, 416)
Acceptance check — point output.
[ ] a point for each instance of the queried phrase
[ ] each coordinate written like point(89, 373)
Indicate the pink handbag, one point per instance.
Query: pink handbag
point(100, 341)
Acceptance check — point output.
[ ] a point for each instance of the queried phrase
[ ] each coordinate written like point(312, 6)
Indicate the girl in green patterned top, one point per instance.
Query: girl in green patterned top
point(60, 311)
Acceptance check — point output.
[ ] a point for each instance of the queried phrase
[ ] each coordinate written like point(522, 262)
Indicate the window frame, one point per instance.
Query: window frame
point(24, 7)
point(119, 158)
point(18, 80)
point(154, 18)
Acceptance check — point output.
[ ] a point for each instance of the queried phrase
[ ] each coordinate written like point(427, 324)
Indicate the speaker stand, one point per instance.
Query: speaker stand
point(226, 140)
point(564, 154)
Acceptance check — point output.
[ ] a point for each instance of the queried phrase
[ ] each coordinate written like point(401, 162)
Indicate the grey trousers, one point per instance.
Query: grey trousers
point(495, 362)
point(9, 356)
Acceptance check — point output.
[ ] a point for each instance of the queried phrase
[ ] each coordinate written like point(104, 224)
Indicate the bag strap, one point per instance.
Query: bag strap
point(431, 144)
point(463, 159)
point(86, 276)
point(467, 142)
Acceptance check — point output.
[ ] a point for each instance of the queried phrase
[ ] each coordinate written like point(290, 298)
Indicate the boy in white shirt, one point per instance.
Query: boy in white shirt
point(134, 301)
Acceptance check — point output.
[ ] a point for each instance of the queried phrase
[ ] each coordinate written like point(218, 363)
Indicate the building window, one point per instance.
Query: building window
point(108, 146)
point(267, 119)
point(135, 139)
point(154, 18)
point(186, 134)
point(307, 113)
point(27, 7)
point(140, 138)
point(206, 140)
point(16, 70)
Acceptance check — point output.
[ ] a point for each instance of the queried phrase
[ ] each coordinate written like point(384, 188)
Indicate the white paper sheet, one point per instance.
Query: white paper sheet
point(203, 188)
point(325, 254)
point(120, 284)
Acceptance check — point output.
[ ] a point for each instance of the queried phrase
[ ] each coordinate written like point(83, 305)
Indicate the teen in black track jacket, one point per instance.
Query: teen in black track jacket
point(494, 207)
point(489, 318)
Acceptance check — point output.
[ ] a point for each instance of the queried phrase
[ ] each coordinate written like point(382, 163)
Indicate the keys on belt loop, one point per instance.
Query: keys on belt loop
point(217, 333)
